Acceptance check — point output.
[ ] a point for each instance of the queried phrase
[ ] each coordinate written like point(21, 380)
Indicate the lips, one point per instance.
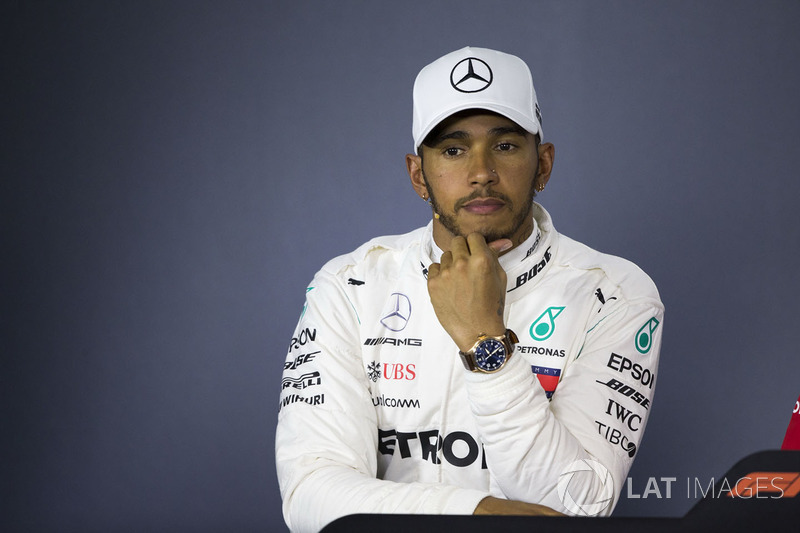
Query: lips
point(483, 206)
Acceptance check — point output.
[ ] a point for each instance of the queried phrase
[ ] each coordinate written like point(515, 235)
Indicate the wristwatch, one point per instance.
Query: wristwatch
point(489, 353)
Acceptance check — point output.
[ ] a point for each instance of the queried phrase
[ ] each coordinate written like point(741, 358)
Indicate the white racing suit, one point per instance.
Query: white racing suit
point(378, 415)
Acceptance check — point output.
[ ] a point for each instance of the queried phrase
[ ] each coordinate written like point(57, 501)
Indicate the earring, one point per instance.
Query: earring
point(424, 197)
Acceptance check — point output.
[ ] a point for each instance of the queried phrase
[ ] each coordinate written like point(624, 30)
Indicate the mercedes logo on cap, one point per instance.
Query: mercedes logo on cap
point(471, 75)
point(399, 311)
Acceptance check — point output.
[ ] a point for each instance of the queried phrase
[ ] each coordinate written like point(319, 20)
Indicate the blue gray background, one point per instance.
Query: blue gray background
point(173, 173)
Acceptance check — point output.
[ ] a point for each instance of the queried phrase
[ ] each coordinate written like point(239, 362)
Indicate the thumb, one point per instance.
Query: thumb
point(501, 245)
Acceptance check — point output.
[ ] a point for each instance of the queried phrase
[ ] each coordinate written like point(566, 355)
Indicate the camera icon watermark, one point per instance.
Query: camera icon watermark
point(572, 490)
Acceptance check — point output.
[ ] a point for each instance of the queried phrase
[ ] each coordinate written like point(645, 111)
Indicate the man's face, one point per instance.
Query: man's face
point(480, 170)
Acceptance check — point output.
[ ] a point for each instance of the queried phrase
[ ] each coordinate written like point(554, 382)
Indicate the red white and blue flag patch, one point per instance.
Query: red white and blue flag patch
point(548, 377)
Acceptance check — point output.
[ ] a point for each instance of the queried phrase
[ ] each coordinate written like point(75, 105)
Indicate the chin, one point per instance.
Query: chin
point(492, 233)
point(491, 230)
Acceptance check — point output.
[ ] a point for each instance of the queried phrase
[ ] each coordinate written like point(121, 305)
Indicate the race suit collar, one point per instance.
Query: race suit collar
point(522, 264)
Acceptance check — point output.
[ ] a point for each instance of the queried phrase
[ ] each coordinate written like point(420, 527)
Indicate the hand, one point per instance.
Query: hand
point(468, 289)
point(497, 506)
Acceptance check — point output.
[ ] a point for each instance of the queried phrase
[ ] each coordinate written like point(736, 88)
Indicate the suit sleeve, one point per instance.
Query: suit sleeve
point(326, 439)
point(539, 450)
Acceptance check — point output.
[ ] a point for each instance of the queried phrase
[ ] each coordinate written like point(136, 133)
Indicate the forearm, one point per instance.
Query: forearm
point(322, 481)
point(598, 413)
point(527, 447)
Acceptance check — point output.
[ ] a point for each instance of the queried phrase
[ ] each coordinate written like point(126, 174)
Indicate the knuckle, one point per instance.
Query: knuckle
point(461, 262)
point(483, 262)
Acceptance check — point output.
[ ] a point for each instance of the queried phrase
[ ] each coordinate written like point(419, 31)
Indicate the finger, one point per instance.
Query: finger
point(458, 246)
point(446, 260)
point(477, 244)
point(433, 270)
point(500, 245)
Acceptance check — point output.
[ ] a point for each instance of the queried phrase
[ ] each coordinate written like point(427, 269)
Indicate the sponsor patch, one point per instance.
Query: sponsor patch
point(548, 378)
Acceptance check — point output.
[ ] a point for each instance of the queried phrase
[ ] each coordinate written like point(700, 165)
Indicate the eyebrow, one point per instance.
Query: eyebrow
point(494, 132)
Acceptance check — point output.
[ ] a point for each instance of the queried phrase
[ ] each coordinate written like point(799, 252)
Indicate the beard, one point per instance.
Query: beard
point(520, 218)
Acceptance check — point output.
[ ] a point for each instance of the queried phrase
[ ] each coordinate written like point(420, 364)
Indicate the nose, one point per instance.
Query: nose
point(482, 169)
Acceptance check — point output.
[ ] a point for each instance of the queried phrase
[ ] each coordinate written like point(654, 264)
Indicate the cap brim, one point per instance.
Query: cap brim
point(527, 124)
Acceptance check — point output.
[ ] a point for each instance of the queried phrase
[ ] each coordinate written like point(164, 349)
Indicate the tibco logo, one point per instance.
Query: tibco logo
point(579, 474)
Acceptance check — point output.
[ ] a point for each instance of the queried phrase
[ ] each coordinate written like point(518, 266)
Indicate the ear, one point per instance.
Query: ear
point(414, 167)
point(547, 154)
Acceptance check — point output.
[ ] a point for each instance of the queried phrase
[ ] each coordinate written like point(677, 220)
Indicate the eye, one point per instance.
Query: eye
point(452, 151)
point(505, 146)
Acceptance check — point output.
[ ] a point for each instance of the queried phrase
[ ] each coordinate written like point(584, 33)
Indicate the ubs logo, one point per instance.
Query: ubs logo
point(471, 75)
point(398, 313)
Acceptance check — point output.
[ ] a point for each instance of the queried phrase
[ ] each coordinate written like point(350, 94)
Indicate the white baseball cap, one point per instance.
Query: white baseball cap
point(474, 78)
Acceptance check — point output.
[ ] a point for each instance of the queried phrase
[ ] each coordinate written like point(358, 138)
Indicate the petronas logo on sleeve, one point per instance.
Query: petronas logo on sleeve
point(644, 337)
point(305, 305)
point(545, 325)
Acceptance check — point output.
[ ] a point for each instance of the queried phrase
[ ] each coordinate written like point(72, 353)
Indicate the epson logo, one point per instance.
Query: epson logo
point(458, 448)
point(305, 336)
point(393, 342)
point(638, 372)
point(537, 350)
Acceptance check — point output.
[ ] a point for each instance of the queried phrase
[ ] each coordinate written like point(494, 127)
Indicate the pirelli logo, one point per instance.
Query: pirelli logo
point(767, 485)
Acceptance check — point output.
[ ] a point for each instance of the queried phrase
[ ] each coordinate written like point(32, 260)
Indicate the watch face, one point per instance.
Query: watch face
point(490, 355)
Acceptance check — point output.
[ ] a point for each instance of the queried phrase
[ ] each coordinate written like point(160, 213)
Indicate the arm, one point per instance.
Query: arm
point(529, 441)
point(598, 413)
point(326, 438)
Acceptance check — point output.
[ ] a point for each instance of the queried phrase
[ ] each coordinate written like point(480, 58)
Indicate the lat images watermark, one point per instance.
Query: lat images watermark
point(578, 488)
point(586, 487)
point(758, 485)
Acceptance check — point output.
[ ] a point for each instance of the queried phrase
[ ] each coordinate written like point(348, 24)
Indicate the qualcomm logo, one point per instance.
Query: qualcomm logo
point(398, 313)
point(580, 475)
point(644, 337)
point(545, 325)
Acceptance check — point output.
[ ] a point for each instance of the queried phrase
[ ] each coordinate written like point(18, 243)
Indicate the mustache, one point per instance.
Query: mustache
point(482, 194)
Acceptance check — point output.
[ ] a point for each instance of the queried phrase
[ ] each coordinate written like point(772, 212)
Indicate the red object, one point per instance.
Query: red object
point(792, 439)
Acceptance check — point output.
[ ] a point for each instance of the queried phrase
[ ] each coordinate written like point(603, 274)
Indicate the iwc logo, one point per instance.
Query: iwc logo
point(579, 474)
point(471, 75)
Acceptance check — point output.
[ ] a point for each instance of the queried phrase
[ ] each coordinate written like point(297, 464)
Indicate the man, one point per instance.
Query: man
point(479, 364)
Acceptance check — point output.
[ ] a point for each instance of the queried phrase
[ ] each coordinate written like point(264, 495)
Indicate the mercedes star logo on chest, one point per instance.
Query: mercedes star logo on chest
point(397, 313)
